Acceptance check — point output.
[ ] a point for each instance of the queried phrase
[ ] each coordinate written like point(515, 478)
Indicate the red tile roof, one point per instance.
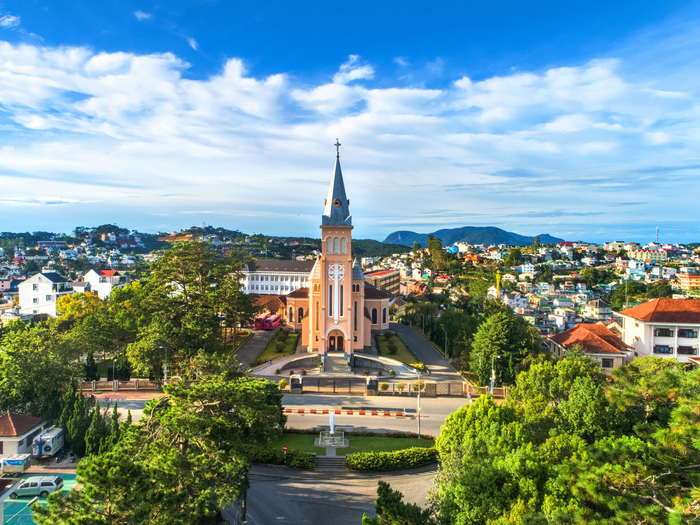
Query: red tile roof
point(301, 293)
point(271, 303)
point(379, 273)
point(373, 293)
point(670, 311)
point(106, 273)
point(593, 338)
point(17, 424)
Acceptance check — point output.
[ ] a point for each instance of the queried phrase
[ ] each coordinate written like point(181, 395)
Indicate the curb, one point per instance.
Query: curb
point(339, 412)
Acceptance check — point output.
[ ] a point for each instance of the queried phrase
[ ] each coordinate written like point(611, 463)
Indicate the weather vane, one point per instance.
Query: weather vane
point(337, 147)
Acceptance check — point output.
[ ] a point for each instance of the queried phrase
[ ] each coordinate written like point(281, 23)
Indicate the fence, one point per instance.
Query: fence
point(116, 386)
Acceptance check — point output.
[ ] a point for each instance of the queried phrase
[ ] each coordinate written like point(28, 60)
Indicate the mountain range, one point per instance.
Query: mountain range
point(471, 235)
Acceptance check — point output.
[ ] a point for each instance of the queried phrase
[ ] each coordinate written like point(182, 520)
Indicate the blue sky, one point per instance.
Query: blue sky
point(576, 120)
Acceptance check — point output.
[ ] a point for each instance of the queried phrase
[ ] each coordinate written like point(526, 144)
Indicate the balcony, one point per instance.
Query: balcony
point(688, 334)
point(663, 332)
point(687, 350)
point(663, 350)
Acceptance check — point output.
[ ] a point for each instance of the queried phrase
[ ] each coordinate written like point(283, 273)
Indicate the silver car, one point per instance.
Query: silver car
point(38, 486)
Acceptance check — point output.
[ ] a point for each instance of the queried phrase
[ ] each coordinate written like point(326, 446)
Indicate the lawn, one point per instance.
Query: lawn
point(402, 354)
point(305, 442)
point(270, 351)
point(102, 370)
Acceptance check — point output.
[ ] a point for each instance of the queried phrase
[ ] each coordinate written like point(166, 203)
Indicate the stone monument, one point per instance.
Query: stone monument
point(332, 438)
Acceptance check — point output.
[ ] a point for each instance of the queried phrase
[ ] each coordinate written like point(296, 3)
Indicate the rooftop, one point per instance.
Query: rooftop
point(672, 311)
point(274, 265)
point(593, 338)
point(12, 425)
point(379, 273)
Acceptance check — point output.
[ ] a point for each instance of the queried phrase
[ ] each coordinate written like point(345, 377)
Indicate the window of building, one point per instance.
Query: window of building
point(663, 349)
point(48, 298)
point(336, 245)
point(374, 316)
point(341, 312)
point(35, 300)
point(687, 350)
point(1, 447)
point(607, 363)
point(35, 287)
point(384, 316)
point(301, 314)
point(663, 332)
point(687, 332)
point(318, 317)
point(330, 300)
point(343, 245)
point(329, 245)
point(291, 313)
point(354, 323)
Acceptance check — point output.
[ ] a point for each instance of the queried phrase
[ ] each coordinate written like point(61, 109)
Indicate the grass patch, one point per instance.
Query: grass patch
point(305, 442)
point(102, 370)
point(402, 354)
point(270, 351)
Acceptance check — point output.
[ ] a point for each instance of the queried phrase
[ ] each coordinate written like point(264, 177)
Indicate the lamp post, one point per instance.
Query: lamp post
point(165, 365)
point(493, 372)
point(418, 402)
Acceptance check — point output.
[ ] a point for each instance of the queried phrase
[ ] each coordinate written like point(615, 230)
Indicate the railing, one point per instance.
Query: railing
point(687, 350)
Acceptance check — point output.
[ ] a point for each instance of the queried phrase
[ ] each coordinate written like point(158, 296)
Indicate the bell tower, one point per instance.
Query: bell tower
point(335, 293)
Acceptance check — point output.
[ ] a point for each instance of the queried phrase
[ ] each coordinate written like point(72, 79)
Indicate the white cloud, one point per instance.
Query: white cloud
point(193, 43)
point(353, 70)
point(140, 15)
point(126, 128)
point(9, 21)
point(401, 61)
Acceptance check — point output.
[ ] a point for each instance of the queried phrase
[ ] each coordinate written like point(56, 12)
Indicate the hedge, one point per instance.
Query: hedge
point(400, 459)
point(275, 456)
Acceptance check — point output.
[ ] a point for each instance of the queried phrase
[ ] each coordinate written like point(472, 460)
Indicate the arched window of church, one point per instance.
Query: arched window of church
point(343, 245)
point(318, 317)
point(336, 245)
point(301, 314)
point(374, 316)
point(384, 316)
point(329, 245)
point(291, 314)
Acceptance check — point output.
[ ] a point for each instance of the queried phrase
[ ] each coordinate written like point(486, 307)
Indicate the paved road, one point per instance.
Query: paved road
point(255, 344)
point(434, 411)
point(440, 370)
point(294, 497)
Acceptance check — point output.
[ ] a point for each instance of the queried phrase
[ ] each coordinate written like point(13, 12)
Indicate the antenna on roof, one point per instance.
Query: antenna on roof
point(657, 235)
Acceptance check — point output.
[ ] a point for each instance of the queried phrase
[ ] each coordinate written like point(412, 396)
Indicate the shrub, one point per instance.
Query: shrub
point(392, 373)
point(392, 349)
point(283, 384)
point(282, 336)
point(384, 386)
point(400, 386)
point(320, 364)
point(278, 371)
point(275, 456)
point(418, 385)
point(399, 459)
point(280, 347)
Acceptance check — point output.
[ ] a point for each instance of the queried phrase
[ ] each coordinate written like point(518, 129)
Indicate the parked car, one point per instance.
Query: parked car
point(40, 486)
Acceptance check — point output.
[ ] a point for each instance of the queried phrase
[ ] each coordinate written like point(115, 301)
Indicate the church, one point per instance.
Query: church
point(338, 310)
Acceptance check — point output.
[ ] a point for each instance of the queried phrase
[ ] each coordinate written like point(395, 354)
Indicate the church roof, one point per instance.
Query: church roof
point(316, 270)
point(300, 293)
point(372, 293)
point(337, 212)
point(357, 274)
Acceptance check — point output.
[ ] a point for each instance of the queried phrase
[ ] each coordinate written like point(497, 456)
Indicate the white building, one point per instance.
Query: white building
point(102, 281)
point(17, 432)
point(665, 328)
point(276, 277)
point(39, 293)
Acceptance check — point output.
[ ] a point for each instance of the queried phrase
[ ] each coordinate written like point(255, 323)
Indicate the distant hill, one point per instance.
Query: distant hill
point(372, 248)
point(471, 235)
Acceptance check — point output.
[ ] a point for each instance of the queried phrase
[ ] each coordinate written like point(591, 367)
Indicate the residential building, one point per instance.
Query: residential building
point(665, 328)
point(563, 318)
point(388, 280)
point(276, 277)
point(597, 310)
point(102, 281)
point(688, 282)
point(39, 293)
point(516, 300)
point(648, 255)
point(602, 345)
point(17, 432)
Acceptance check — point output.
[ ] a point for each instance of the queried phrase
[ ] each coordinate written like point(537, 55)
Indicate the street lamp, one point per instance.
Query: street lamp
point(418, 401)
point(493, 372)
point(165, 365)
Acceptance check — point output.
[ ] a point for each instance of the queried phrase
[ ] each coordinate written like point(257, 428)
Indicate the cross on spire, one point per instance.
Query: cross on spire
point(337, 147)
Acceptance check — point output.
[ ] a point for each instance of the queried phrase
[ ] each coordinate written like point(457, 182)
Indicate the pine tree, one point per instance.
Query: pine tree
point(90, 368)
point(123, 367)
point(114, 430)
point(69, 400)
point(78, 425)
point(96, 434)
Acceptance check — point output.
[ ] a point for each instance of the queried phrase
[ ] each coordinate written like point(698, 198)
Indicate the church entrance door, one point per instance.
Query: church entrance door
point(336, 341)
point(331, 343)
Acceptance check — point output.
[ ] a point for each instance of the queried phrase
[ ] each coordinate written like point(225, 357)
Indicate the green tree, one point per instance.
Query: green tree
point(123, 367)
point(416, 249)
point(78, 425)
point(97, 433)
point(190, 451)
point(536, 243)
point(391, 509)
point(69, 400)
point(514, 257)
point(90, 368)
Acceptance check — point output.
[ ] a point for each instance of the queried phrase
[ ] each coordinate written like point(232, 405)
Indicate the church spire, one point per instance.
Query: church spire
point(337, 212)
